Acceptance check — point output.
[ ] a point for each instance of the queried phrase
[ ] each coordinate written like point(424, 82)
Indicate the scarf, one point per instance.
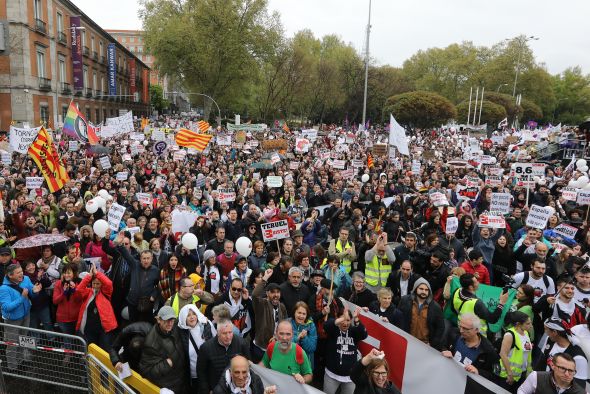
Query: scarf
point(237, 390)
point(170, 280)
point(239, 315)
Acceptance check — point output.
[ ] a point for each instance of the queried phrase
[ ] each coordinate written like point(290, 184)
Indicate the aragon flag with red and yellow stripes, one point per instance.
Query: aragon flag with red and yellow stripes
point(191, 139)
point(44, 154)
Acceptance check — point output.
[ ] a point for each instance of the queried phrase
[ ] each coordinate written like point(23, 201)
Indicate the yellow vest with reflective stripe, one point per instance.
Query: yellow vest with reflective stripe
point(345, 262)
point(175, 303)
point(376, 274)
point(518, 365)
point(468, 306)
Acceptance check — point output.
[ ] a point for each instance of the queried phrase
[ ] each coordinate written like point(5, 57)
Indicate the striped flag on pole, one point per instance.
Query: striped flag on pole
point(416, 368)
point(203, 126)
point(286, 128)
point(191, 139)
point(44, 154)
point(370, 162)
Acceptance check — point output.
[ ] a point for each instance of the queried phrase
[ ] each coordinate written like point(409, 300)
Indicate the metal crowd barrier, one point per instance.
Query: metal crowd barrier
point(102, 381)
point(43, 356)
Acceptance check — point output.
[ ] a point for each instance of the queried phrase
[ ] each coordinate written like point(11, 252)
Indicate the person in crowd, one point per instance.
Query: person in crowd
point(304, 330)
point(474, 265)
point(386, 309)
point(215, 353)
point(170, 276)
point(370, 375)
point(195, 330)
point(378, 263)
point(560, 379)
point(128, 345)
point(422, 316)
point(67, 299)
point(344, 334)
point(281, 272)
point(240, 306)
point(561, 305)
point(543, 284)
point(161, 257)
point(258, 257)
point(358, 293)
point(241, 270)
point(163, 357)
point(96, 318)
point(287, 357)
point(293, 290)
point(402, 281)
point(516, 352)
point(239, 378)
point(40, 314)
point(470, 347)
point(343, 249)
point(188, 294)
point(211, 271)
point(268, 311)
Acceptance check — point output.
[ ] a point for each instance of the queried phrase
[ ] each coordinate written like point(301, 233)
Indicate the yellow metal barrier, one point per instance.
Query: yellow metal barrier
point(135, 381)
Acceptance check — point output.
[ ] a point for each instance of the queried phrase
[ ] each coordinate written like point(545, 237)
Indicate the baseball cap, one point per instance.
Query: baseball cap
point(297, 233)
point(272, 286)
point(318, 273)
point(5, 250)
point(166, 313)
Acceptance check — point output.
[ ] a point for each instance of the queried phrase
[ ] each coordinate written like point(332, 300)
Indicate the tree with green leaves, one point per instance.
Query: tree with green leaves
point(420, 109)
point(530, 111)
point(157, 100)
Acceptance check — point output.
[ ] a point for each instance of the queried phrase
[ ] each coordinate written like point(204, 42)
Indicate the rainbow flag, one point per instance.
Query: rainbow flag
point(78, 128)
point(191, 139)
point(44, 154)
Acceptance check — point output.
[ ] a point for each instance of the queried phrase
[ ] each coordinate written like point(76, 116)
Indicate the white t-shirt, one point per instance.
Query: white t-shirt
point(581, 362)
point(579, 296)
point(403, 286)
point(215, 277)
point(538, 284)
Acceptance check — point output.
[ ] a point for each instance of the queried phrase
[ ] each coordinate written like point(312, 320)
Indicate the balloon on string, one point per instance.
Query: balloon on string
point(189, 241)
point(583, 181)
point(145, 143)
point(91, 206)
point(583, 168)
point(102, 203)
point(581, 163)
point(100, 227)
point(244, 246)
point(365, 178)
point(104, 194)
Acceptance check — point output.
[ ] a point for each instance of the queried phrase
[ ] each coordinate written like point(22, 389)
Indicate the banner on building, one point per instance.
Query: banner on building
point(77, 61)
point(132, 76)
point(112, 69)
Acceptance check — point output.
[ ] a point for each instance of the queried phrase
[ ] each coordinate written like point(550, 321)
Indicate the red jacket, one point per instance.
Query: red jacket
point(484, 275)
point(67, 308)
point(103, 301)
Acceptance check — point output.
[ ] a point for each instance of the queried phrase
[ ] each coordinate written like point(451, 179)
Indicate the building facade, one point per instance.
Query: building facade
point(52, 53)
point(133, 41)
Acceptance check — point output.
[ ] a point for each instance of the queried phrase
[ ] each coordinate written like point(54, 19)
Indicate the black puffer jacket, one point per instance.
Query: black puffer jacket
point(214, 359)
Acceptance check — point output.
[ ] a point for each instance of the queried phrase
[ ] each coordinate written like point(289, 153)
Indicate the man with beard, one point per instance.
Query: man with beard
point(560, 306)
point(268, 311)
point(287, 357)
point(402, 281)
point(424, 318)
point(543, 284)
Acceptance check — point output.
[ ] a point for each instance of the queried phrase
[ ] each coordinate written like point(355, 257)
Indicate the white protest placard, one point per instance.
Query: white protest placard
point(452, 225)
point(485, 159)
point(348, 173)
point(73, 146)
point(565, 230)
point(122, 175)
point(275, 158)
point(158, 135)
point(302, 145)
point(160, 181)
point(472, 181)
point(415, 167)
point(274, 181)
point(179, 155)
point(339, 164)
point(105, 162)
point(438, 199)
point(523, 170)
point(134, 150)
point(115, 215)
point(493, 180)
point(127, 157)
point(223, 140)
point(137, 136)
point(583, 198)
point(538, 216)
point(310, 134)
point(358, 163)
point(497, 171)
point(569, 194)
point(274, 231)
point(34, 182)
point(501, 203)
point(294, 165)
point(106, 131)
point(21, 138)
point(491, 221)
point(133, 230)
point(144, 198)
point(226, 195)
point(121, 124)
point(6, 158)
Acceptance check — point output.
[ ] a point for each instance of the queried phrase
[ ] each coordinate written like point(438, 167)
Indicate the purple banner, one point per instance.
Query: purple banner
point(77, 64)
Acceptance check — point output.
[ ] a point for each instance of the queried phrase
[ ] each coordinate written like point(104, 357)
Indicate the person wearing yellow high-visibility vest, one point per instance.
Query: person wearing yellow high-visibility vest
point(188, 295)
point(378, 263)
point(516, 354)
point(343, 249)
point(465, 301)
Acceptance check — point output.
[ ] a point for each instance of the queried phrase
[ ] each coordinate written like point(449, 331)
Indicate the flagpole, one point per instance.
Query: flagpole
point(475, 111)
point(469, 111)
point(481, 105)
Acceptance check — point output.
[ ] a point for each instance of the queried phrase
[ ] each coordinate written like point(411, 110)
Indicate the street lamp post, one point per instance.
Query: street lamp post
point(522, 42)
point(499, 86)
point(366, 66)
point(204, 95)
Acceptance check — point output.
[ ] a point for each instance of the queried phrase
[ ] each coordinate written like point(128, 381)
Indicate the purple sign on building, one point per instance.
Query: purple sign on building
point(77, 64)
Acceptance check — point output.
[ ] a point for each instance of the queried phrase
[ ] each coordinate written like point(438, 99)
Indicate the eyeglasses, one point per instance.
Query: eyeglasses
point(236, 289)
point(565, 370)
point(188, 286)
point(379, 374)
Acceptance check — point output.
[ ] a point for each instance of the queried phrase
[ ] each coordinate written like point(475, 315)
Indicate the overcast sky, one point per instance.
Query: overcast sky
point(401, 28)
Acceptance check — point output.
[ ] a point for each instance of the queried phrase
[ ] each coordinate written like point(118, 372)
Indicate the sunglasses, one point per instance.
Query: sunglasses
point(237, 289)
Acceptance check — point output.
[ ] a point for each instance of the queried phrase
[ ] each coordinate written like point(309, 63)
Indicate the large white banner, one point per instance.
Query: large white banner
point(182, 221)
point(21, 138)
point(119, 125)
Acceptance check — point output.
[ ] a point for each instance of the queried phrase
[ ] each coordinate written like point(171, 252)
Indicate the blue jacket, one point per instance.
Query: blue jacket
point(14, 305)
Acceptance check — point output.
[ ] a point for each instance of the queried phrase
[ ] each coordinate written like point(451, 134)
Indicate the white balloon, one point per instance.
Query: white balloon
point(91, 206)
point(413, 138)
point(365, 178)
point(583, 169)
point(190, 241)
point(583, 181)
point(244, 246)
point(145, 143)
point(536, 179)
point(100, 227)
point(581, 163)
point(104, 194)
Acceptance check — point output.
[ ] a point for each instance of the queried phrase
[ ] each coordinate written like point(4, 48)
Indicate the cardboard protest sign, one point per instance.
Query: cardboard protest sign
point(583, 198)
point(21, 138)
point(491, 221)
point(274, 181)
point(226, 195)
point(538, 216)
point(569, 194)
point(274, 231)
point(34, 182)
point(565, 230)
point(501, 203)
point(438, 199)
point(122, 175)
point(105, 162)
point(452, 225)
point(115, 215)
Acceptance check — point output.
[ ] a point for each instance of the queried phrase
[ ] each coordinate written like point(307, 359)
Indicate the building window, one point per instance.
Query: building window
point(94, 81)
point(38, 9)
point(139, 49)
point(132, 49)
point(85, 74)
point(102, 84)
point(88, 114)
point(62, 69)
point(44, 113)
point(83, 38)
point(123, 39)
point(100, 48)
point(60, 23)
point(104, 114)
point(131, 39)
point(97, 112)
point(64, 112)
point(92, 43)
point(40, 62)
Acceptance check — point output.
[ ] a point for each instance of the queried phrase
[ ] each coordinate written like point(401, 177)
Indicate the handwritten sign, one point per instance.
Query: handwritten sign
point(34, 182)
point(538, 216)
point(452, 225)
point(274, 231)
point(226, 195)
point(115, 215)
point(21, 138)
point(274, 181)
point(501, 203)
point(122, 175)
point(565, 230)
point(105, 162)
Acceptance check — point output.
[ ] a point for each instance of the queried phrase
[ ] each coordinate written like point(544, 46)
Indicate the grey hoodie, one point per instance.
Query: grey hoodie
point(422, 281)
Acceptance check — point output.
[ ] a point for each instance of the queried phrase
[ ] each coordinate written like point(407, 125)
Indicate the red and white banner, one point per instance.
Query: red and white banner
point(491, 221)
point(274, 231)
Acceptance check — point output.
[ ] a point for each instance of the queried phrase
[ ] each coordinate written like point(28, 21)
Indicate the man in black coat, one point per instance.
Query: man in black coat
point(215, 355)
point(433, 320)
point(293, 290)
point(402, 282)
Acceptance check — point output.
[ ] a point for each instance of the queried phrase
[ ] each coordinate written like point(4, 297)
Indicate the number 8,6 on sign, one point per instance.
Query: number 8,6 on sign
point(521, 170)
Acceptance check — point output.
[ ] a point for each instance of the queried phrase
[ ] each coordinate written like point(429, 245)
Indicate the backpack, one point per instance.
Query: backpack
point(298, 352)
point(526, 277)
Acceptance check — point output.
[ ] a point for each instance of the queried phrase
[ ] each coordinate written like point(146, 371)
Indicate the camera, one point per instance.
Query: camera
point(508, 280)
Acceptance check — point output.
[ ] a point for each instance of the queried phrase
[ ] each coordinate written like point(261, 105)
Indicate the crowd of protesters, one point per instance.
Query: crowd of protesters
point(191, 319)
